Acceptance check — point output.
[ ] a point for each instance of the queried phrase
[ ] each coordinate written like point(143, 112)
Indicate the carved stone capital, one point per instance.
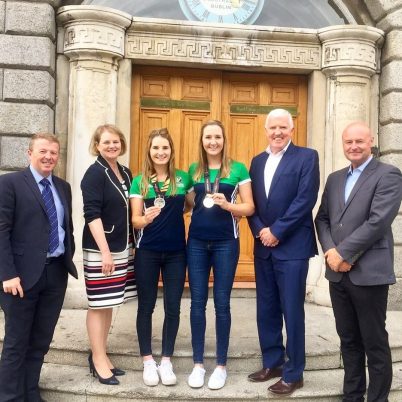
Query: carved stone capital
point(95, 31)
point(351, 48)
point(223, 46)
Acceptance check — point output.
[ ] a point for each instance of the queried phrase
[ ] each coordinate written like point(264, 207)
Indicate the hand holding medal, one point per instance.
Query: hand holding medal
point(159, 201)
point(209, 199)
point(220, 200)
point(151, 213)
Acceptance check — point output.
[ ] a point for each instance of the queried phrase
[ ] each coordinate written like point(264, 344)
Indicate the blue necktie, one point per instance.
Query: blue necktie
point(51, 214)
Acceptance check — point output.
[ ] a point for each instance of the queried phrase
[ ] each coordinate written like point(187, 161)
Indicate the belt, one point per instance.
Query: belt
point(52, 260)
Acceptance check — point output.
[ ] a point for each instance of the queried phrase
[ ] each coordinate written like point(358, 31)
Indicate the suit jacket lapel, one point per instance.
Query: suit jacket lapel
point(112, 177)
point(259, 179)
point(370, 168)
point(33, 186)
point(62, 196)
point(283, 164)
point(341, 189)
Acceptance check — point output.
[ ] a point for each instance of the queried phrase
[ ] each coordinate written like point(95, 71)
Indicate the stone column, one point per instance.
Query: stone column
point(350, 62)
point(94, 40)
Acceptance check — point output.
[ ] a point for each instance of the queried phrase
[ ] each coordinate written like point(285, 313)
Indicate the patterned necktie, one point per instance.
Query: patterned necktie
point(51, 214)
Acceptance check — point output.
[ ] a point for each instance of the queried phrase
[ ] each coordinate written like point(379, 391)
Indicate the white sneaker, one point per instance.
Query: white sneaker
point(217, 379)
point(150, 373)
point(196, 378)
point(165, 370)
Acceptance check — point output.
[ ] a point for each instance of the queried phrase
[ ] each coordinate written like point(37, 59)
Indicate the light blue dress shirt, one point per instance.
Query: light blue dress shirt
point(353, 176)
point(59, 208)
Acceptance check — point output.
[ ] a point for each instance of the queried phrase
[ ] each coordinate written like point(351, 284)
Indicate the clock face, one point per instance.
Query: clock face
point(225, 11)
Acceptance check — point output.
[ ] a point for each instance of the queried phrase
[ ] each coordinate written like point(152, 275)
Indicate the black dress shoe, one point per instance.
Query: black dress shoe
point(116, 371)
point(112, 380)
point(285, 388)
point(265, 374)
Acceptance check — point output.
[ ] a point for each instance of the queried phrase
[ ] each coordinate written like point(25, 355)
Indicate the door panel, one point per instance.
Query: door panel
point(183, 99)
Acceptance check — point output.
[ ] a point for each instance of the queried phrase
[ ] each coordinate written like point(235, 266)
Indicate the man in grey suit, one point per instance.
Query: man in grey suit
point(353, 223)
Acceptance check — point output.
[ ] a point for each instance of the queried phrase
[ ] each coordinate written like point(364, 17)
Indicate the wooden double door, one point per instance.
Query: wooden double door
point(183, 99)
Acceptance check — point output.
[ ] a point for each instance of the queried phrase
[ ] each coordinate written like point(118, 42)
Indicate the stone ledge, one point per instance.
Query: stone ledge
point(27, 52)
point(1, 83)
point(393, 159)
point(392, 47)
point(25, 119)
point(2, 15)
point(74, 384)
point(391, 21)
point(13, 154)
point(29, 86)
point(398, 263)
point(390, 138)
point(379, 8)
point(390, 108)
point(391, 77)
point(397, 229)
point(30, 18)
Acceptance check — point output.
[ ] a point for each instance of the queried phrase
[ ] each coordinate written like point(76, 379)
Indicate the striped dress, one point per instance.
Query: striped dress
point(110, 291)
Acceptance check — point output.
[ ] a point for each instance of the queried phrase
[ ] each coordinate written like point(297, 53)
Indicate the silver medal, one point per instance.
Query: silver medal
point(159, 202)
point(208, 202)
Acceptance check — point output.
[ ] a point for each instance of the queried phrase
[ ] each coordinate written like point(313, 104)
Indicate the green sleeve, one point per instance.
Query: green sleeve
point(191, 169)
point(243, 172)
point(135, 186)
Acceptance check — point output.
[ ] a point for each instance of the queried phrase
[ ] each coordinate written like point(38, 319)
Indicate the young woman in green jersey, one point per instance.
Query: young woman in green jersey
point(213, 242)
point(158, 197)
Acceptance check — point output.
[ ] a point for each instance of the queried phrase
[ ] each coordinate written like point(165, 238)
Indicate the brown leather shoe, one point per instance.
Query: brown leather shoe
point(285, 388)
point(265, 374)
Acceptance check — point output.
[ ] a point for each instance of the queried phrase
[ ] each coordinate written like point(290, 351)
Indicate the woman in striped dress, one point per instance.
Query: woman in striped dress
point(107, 244)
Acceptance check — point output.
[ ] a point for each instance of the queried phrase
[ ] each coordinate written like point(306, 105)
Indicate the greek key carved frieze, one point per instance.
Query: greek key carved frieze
point(222, 51)
point(357, 54)
point(94, 36)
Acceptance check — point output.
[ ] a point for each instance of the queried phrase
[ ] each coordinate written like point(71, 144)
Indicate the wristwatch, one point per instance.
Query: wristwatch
point(224, 11)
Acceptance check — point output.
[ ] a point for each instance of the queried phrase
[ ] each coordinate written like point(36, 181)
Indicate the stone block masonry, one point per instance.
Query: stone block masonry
point(27, 76)
point(30, 18)
point(28, 86)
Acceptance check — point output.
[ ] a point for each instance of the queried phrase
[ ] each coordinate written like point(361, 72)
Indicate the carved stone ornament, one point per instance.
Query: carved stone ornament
point(99, 29)
point(223, 45)
point(350, 46)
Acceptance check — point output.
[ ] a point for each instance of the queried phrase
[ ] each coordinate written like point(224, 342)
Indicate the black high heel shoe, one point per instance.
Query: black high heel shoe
point(116, 371)
point(108, 381)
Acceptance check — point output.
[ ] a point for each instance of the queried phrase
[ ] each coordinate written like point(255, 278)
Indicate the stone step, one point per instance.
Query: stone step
point(70, 345)
point(60, 383)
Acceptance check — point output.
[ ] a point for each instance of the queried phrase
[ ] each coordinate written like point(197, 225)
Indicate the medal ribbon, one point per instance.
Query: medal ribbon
point(207, 181)
point(160, 192)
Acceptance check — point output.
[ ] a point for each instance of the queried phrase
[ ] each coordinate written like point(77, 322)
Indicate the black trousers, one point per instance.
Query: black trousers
point(29, 326)
point(360, 314)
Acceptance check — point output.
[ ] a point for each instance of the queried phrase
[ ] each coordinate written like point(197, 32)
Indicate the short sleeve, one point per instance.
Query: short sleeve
point(243, 174)
point(135, 189)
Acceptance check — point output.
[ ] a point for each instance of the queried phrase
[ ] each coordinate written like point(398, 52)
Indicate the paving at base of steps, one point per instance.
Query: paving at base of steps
point(66, 376)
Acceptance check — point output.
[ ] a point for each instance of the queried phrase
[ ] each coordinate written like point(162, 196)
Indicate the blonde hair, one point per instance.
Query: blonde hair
point(148, 166)
point(96, 137)
point(202, 155)
point(43, 136)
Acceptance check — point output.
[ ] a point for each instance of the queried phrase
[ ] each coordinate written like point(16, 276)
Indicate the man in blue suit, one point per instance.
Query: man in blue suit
point(37, 247)
point(285, 182)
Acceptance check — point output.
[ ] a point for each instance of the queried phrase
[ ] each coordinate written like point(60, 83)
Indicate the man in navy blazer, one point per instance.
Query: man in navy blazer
point(285, 182)
point(36, 257)
point(353, 223)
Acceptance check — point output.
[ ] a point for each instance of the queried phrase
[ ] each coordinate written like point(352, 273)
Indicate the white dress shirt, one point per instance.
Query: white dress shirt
point(271, 166)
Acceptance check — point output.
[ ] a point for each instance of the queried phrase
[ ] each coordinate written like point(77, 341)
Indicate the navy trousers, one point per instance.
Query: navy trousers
point(281, 288)
point(29, 326)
